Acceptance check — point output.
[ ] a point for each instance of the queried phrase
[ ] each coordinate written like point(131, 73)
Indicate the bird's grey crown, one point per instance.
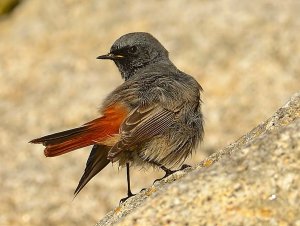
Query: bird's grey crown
point(138, 39)
point(149, 51)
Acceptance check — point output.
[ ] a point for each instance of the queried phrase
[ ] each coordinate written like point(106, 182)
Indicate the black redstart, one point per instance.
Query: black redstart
point(154, 118)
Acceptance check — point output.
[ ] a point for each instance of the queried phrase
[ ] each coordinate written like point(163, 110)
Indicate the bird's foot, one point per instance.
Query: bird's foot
point(128, 196)
point(170, 172)
point(144, 189)
point(185, 166)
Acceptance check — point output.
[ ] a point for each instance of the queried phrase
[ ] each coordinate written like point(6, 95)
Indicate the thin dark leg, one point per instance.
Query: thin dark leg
point(129, 193)
point(169, 172)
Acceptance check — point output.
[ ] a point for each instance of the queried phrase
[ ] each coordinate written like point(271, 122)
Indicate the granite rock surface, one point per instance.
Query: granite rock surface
point(245, 54)
point(254, 181)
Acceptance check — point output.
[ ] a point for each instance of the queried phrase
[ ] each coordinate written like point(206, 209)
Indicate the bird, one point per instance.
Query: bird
point(153, 119)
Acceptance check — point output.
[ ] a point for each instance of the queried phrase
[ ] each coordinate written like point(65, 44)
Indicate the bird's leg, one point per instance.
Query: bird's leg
point(129, 193)
point(168, 171)
point(184, 166)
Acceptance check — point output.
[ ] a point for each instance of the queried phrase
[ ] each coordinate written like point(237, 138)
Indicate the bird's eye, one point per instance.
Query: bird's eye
point(132, 50)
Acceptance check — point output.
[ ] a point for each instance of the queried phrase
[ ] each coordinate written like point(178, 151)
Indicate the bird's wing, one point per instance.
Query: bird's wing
point(95, 163)
point(142, 123)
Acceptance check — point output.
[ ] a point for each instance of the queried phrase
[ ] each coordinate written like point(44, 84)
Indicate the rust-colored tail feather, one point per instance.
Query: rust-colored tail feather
point(70, 140)
point(58, 137)
point(93, 132)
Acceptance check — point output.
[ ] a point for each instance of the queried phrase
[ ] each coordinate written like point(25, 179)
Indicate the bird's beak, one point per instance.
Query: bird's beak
point(110, 56)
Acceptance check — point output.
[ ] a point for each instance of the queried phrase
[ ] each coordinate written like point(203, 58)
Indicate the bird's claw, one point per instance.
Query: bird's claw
point(124, 199)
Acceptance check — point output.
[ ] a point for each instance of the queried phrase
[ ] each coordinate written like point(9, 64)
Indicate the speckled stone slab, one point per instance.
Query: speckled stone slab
point(254, 181)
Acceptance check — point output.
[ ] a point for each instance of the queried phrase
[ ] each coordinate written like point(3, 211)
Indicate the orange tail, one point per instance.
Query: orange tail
point(96, 131)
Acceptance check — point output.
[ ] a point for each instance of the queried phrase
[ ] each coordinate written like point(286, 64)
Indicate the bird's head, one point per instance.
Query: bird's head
point(134, 51)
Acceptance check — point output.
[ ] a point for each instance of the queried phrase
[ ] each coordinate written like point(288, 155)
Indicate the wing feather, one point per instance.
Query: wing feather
point(95, 163)
point(143, 123)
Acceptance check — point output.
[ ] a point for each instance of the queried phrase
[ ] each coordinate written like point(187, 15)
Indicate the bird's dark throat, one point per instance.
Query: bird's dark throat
point(127, 70)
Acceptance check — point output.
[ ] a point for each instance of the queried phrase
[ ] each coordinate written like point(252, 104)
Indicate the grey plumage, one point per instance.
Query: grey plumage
point(153, 119)
point(173, 124)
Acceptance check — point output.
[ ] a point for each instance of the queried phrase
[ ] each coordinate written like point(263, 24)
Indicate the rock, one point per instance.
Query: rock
point(254, 181)
point(245, 54)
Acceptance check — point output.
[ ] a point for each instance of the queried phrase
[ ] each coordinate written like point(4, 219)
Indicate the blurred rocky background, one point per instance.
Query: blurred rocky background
point(245, 54)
